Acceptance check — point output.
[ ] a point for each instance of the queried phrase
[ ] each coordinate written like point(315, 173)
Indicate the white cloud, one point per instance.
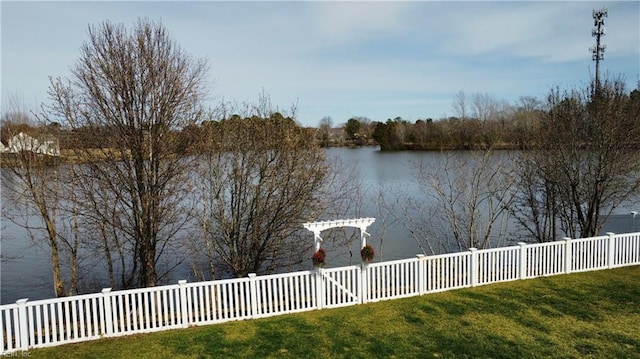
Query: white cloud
point(340, 22)
point(549, 31)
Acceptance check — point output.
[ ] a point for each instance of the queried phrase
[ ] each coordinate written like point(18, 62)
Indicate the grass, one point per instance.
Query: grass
point(590, 315)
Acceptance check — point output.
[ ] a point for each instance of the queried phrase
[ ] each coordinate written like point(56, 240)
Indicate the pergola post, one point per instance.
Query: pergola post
point(363, 237)
point(317, 239)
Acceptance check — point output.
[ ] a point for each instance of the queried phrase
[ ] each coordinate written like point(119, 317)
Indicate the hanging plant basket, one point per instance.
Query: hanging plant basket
point(319, 257)
point(367, 253)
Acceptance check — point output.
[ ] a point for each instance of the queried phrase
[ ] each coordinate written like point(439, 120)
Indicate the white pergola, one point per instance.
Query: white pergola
point(361, 223)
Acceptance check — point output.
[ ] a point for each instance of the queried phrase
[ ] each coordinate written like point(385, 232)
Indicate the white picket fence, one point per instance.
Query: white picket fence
point(51, 322)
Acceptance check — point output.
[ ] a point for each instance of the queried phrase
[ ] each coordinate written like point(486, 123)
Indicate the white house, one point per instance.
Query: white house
point(49, 147)
point(23, 142)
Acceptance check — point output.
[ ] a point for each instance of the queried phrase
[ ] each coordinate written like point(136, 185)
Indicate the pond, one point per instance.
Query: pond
point(25, 270)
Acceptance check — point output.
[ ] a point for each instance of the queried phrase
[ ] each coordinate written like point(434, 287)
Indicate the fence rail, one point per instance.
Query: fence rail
point(25, 325)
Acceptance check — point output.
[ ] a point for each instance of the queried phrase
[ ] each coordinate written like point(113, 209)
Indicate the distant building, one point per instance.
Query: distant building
point(49, 146)
point(23, 142)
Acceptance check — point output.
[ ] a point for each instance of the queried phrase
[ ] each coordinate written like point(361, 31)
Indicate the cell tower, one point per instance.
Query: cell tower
point(597, 32)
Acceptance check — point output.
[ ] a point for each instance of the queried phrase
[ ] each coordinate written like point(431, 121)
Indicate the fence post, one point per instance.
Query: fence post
point(23, 325)
point(108, 315)
point(319, 288)
point(184, 315)
point(253, 287)
point(611, 250)
point(421, 277)
point(568, 256)
point(524, 264)
point(364, 282)
point(474, 266)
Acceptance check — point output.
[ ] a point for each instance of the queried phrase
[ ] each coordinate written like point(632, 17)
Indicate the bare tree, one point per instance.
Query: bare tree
point(524, 121)
point(468, 196)
point(343, 196)
point(325, 127)
point(528, 104)
point(484, 107)
point(260, 178)
point(326, 122)
point(133, 88)
point(583, 164)
point(398, 207)
point(38, 189)
point(460, 105)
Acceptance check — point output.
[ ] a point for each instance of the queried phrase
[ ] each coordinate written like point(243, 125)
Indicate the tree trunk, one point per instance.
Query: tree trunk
point(58, 283)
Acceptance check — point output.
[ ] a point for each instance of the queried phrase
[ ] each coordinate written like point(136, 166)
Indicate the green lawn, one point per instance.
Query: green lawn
point(593, 315)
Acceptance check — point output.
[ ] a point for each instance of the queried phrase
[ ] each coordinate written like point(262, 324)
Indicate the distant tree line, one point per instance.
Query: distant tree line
point(503, 126)
point(498, 126)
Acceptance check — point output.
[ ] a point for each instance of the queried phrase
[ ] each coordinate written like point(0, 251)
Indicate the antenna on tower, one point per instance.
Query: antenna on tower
point(598, 31)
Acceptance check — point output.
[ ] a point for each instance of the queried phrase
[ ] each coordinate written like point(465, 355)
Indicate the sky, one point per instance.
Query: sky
point(339, 59)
